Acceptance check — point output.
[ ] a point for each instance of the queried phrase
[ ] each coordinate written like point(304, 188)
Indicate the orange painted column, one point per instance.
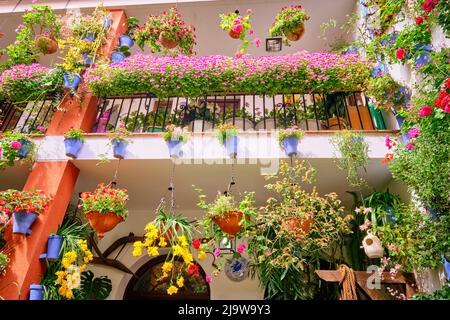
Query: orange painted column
point(57, 179)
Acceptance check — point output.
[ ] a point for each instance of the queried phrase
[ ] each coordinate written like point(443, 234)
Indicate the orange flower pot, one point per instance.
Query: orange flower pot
point(293, 224)
point(334, 123)
point(229, 222)
point(47, 44)
point(102, 223)
point(296, 34)
point(168, 235)
point(167, 43)
point(234, 34)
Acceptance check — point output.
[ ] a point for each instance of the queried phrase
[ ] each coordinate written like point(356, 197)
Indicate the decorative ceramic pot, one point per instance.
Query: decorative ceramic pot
point(234, 34)
point(72, 146)
point(117, 57)
point(230, 222)
point(167, 43)
point(22, 221)
point(296, 34)
point(46, 44)
point(71, 80)
point(36, 292)
point(90, 37)
point(54, 246)
point(126, 41)
point(174, 148)
point(103, 223)
point(25, 148)
point(290, 145)
point(231, 144)
point(119, 148)
point(87, 60)
point(372, 246)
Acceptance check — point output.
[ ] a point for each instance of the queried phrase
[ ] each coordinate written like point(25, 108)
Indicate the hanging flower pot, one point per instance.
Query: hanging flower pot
point(175, 137)
point(36, 292)
point(372, 246)
point(290, 23)
point(72, 146)
point(54, 245)
point(126, 41)
point(22, 221)
point(230, 222)
point(103, 223)
point(296, 34)
point(293, 224)
point(119, 148)
point(71, 80)
point(289, 138)
point(46, 44)
point(168, 234)
point(290, 145)
point(25, 148)
point(166, 42)
point(117, 57)
point(234, 34)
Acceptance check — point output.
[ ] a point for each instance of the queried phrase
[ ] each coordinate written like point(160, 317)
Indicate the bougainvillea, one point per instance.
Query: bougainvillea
point(196, 76)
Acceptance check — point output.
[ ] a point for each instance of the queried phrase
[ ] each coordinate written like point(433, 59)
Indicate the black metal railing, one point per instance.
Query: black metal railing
point(147, 113)
point(26, 118)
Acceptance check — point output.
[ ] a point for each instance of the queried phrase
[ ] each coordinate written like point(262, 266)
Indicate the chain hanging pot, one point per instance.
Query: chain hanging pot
point(166, 42)
point(46, 44)
point(296, 34)
point(372, 246)
point(230, 222)
point(103, 223)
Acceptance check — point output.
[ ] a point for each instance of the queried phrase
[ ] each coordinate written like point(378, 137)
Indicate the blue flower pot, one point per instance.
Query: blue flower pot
point(71, 81)
point(391, 214)
point(23, 151)
point(390, 39)
point(290, 145)
point(174, 148)
point(87, 60)
point(119, 148)
point(352, 49)
point(126, 41)
point(446, 266)
point(107, 22)
point(423, 57)
point(117, 57)
point(231, 144)
point(90, 37)
point(22, 221)
point(36, 292)
point(400, 120)
point(379, 70)
point(54, 246)
point(73, 146)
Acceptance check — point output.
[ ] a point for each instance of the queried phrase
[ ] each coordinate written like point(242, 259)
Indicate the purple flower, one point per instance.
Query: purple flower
point(217, 252)
point(414, 132)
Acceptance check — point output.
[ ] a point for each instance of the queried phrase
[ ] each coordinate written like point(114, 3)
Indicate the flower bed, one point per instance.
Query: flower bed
point(196, 76)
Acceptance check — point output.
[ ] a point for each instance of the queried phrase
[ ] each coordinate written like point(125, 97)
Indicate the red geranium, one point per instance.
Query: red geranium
point(401, 54)
point(429, 5)
point(193, 269)
point(425, 111)
point(196, 243)
point(419, 20)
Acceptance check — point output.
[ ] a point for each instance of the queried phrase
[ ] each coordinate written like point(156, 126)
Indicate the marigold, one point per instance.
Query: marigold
point(172, 290)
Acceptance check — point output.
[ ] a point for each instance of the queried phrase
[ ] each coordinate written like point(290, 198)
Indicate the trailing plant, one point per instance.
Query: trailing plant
point(288, 21)
point(174, 133)
point(76, 134)
point(119, 136)
point(353, 155)
point(295, 232)
point(168, 26)
point(11, 143)
point(226, 131)
point(290, 132)
point(23, 50)
point(105, 199)
point(386, 93)
point(238, 27)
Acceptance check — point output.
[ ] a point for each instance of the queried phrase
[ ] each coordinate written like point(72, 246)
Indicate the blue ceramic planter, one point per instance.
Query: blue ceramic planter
point(90, 37)
point(423, 57)
point(22, 222)
point(107, 22)
point(391, 214)
point(87, 60)
point(174, 148)
point(231, 144)
point(117, 57)
point(26, 145)
point(400, 120)
point(390, 39)
point(54, 246)
point(446, 266)
point(290, 145)
point(36, 292)
point(71, 81)
point(73, 146)
point(126, 41)
point(119, 148)
point(352, 49)
point(379, 70)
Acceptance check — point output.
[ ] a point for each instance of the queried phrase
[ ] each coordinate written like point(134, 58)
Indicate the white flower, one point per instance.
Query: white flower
point(73, 280)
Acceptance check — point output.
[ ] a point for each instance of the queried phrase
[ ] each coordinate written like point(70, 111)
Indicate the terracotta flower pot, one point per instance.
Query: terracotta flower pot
point(47, 44)
point(102, 223)
point(168, 235)
point(333, 124)
point(234, 34)
point(292, 224)
point(167, 43)
point(229, 222)
point(296, 34)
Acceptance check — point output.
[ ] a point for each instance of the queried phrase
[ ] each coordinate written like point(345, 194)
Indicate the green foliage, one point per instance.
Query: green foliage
point(225, 131)
point(75, 134)
point(288, 20)
point(386, 92)
point(351, 154)
point(94, 288)
point(9, 153)
point(104, 200)
point(4, 260)
point(175, 133)
point(23, 51)
point(441, 294)
point(170, 224)
point(443, 9)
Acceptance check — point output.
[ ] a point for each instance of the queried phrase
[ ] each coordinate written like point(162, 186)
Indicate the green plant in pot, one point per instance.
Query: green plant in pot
point(16, 146)
point(4, 260)
point(334, 106)
point(289, 23)
point(133, 25)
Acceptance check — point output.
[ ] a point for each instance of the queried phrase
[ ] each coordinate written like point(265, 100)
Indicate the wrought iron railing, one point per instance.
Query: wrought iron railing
point(147, 113)
point(26, 118)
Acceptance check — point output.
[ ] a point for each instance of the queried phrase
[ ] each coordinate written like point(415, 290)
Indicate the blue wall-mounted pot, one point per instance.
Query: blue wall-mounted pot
point(174, 148)
point(126, 41)
point(231, 144)
point(36, 292)
point(290, 145)
point(71, 80)
point(54, 246)
point(119, 148)
point(22, 221)
point(25, 148)
point(117, 57)
point(72, 146)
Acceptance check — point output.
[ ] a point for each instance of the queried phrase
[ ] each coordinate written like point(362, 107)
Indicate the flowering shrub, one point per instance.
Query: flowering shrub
point(33, 201)
point(167, 25)
point(105, 199)
point(225, 131)
point(196, 76)
point(290, 132)
point(174, 133)
point(288, 21)
point(10, 144)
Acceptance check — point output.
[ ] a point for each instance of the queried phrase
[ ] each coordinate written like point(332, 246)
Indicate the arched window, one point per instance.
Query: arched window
point(147, 287)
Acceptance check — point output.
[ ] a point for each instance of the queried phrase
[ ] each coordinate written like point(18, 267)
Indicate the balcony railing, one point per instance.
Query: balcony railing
point(26, 118)
point(312, 112)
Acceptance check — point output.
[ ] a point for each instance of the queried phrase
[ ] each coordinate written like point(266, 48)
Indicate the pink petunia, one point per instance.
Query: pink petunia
point(217, 252)
point(241, 248)
point(414, 132)
point(425, 111)
point(16, 145)
point(257, 42)
point(410, 146)
point(208, 278)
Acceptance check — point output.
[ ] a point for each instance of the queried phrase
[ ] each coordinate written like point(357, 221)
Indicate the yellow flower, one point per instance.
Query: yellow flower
point(172, 290)
point(69, 294)
point(83, 268)
point(180, 282)
point(137, 251)
point(60, 275)
point(187, 257)
point(73, 281)
point(152, 251)
point(167, 267)
point(183, 242)
point(149, 227)
point(201, 255)
point(162, 242)
point(177, 250)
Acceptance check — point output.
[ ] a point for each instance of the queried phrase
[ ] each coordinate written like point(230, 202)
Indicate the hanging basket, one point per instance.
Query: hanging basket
point(230, 222)
point(46, 44)
point(293, 224)
point(103, 223)
point(234, 34)
point(169, 234)
point(167, 43)
point(296, 34)
point(372, 246)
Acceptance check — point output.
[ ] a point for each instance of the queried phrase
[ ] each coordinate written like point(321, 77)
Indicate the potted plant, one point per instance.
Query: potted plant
point(73, 142)
point(4, 260)
point(119, 142)
point(166, 31)
point(226, 217)
point(105, 207)
point(14, 146)
point(43, 18)
point(36, 292)
point(289, 23)
point(227, 135)
point(386, 93)
point(25, 206)
point(126, 40)
point(54, 244)
point(288, 140)
point(238, 26)
point(175, 137)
